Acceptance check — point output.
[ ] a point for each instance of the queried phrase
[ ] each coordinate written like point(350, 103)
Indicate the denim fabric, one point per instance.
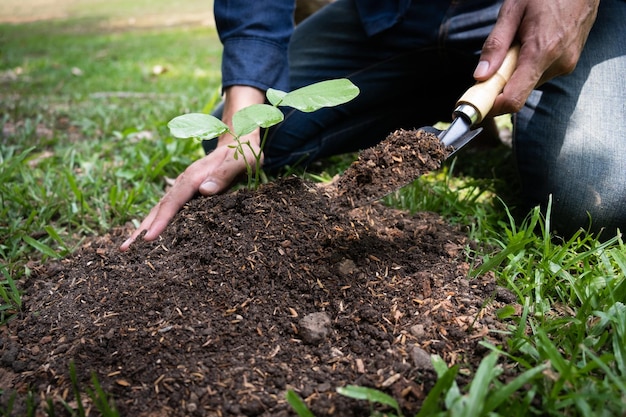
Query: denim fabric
point(378, 16)
point(410, 75)
point(570, 139)
point(415, 69)
point(255, 35)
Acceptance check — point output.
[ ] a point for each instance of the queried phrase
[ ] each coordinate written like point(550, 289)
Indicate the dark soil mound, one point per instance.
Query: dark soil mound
point(250, 294)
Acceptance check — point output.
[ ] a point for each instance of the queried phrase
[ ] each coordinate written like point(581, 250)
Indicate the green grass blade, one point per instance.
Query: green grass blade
point(431, 404)
point(502, 394)
point(298, 405)
point(75, 388)
point(103, 402)
point(57, 238)
point(486, 373)
point(370, 394)
point(42, 247)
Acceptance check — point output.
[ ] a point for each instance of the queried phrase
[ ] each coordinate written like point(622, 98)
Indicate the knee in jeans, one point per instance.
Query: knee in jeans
point(585, 205)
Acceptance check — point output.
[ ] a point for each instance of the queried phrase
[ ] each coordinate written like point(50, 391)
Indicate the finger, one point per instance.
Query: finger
point(498, 42)
point(516, 91)
point(163, 212)
point(222, 176)
point(210, 175)
point(143, 226)
point(169, 205)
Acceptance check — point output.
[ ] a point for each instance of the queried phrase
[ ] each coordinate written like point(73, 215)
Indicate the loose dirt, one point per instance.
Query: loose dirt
point(250, 294)
point(395, 162)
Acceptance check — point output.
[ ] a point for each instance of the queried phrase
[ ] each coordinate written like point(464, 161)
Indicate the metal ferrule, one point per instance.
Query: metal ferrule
point(468, 112)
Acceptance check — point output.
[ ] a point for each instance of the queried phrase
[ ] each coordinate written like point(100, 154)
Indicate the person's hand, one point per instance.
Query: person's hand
point(551, 36)
point(210, 175)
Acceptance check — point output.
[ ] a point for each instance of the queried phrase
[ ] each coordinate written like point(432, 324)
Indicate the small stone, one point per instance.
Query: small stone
point(9, 356)
point(324, 387)
point(314, 328)
point(418, 331)
point(252, 408)
point(421, 358)
point(18, 366)
point(505, 295)
point(193, 398)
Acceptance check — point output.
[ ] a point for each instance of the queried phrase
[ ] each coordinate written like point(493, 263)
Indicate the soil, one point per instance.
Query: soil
point(249, 294)
point(395, 162)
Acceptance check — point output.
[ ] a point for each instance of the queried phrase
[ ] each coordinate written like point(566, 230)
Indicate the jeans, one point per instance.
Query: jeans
point(409, 76)
point(566, 138)
point(570, 138)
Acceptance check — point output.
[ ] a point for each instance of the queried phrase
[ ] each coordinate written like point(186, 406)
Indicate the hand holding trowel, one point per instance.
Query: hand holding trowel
point(475, 104)
point(399, 160)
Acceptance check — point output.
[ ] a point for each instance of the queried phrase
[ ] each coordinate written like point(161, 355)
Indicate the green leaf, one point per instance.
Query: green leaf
point(256, 115)
point(453, 394)
point(41, 247)
point(298, 405)
point(197, 125)
point(323, 94)
point(275, 96)
point(370, 394)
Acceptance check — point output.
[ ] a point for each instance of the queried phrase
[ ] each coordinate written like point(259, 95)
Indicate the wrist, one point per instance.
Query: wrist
point(236, 97)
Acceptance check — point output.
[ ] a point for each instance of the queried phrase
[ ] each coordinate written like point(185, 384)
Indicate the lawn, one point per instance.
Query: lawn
point(87, 90)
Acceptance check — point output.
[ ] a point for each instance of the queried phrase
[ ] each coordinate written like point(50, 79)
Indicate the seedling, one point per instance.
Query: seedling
point(307, 99)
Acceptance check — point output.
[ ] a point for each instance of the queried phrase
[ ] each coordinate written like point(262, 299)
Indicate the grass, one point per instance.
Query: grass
point(84, 142)
point(84, 149)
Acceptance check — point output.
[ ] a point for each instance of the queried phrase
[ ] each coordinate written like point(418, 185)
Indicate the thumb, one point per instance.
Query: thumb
point(491, 59)
point(498, 42)
point(221, 177)
point(209, 187)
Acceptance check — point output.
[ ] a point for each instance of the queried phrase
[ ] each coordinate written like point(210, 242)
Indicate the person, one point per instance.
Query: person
point(412, 59)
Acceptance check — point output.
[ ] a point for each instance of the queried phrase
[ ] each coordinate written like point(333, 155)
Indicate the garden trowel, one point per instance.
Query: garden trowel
point(474, 105)
point(378, 173)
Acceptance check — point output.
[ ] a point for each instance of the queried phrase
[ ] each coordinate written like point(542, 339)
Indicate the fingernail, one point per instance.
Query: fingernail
point(209, 188)
point(481, 69)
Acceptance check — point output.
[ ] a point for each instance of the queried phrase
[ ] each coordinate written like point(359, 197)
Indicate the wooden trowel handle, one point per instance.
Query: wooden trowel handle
point(482, 95)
